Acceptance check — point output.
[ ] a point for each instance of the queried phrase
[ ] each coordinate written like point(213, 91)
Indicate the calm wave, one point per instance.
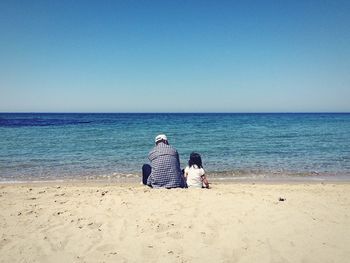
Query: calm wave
point(59, 146)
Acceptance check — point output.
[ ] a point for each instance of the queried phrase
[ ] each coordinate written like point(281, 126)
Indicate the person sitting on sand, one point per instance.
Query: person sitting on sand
point(164, 170)
point(194, 172)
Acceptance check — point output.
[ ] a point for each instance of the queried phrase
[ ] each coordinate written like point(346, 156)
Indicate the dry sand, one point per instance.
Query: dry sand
point(242, 222)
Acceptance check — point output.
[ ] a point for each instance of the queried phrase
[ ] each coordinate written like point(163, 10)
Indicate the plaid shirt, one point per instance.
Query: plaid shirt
point(166, 171)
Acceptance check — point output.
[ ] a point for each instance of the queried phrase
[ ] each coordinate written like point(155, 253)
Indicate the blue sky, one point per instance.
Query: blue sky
point(174, 56)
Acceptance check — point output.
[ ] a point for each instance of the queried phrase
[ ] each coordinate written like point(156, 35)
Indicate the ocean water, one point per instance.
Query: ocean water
point(233, 146)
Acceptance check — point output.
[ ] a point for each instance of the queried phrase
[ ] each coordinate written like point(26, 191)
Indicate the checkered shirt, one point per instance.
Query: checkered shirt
point(166, 171)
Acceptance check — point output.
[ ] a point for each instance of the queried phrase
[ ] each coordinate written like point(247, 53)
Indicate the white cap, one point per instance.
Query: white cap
point(161, 137)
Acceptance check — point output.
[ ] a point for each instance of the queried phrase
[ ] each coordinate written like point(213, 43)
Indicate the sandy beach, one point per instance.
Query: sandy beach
point(236, 222)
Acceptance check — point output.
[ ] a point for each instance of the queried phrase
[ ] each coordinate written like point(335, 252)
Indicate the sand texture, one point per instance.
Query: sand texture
point(242, 222)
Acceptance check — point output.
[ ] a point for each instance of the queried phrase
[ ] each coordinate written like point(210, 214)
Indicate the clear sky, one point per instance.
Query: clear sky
point(174, 56)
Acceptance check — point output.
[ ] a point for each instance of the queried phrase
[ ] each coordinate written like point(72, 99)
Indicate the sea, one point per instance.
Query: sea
point(233, 146)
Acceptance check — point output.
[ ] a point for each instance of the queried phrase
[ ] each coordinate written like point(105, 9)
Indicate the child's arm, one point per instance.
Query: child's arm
point(185, 173)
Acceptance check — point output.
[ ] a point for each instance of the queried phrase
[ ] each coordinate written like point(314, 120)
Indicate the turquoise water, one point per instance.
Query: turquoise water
point(69, 146)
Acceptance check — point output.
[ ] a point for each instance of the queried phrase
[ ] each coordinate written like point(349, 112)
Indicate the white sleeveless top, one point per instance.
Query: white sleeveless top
point(194, 176)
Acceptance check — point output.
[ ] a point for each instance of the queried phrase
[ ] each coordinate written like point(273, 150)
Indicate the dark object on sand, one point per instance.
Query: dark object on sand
point(282, 199)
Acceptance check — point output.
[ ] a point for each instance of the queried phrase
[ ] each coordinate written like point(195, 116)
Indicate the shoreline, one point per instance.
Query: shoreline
point(135, 180)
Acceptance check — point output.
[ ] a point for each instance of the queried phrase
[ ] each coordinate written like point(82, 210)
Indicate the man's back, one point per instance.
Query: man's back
point(166, 171)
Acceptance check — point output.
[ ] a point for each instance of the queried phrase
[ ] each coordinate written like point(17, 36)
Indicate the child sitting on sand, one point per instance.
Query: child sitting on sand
point(194, 172)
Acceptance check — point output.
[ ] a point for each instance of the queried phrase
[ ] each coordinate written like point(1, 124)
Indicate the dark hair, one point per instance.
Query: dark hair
point(196, 159)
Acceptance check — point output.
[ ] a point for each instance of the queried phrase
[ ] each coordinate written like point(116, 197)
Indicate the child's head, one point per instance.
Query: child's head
point(196, 159)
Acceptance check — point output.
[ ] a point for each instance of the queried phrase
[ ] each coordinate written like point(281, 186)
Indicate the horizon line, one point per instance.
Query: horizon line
point(175, 112)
